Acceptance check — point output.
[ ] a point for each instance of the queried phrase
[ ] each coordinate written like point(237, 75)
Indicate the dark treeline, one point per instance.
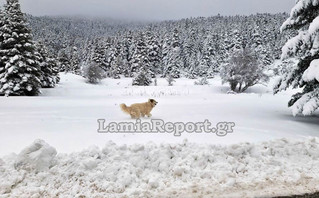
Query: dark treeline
point(193, 47)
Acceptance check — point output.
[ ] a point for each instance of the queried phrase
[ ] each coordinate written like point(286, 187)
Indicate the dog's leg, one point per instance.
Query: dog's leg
point(135, 114)
point(139, 114)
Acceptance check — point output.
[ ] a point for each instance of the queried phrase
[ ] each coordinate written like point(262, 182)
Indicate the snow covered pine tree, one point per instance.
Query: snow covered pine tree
point(175, 62)
point(19, 68)
point(305, 47)
point(141, 63)
point(49, 67)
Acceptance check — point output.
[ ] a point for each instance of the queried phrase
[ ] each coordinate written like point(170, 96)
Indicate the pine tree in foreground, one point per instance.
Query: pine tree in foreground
point(20, 71)
point(305, 47)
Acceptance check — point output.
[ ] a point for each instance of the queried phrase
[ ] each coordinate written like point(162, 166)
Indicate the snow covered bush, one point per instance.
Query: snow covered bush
point(242, 71)
point(20, 71)
point(155, 81)
point(201, 81)
point(170, 80)
point(305, 47)
point(94, 74)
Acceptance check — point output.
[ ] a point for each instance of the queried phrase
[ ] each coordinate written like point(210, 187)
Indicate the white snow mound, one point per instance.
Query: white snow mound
point(39, 156)
point(280, 167)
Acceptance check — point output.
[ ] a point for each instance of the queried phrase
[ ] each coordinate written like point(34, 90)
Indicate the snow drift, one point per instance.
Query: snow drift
point(280, 167)
point(38, 157)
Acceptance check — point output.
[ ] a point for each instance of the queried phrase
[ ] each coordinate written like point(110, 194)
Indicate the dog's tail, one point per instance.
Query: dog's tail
point(125, 108)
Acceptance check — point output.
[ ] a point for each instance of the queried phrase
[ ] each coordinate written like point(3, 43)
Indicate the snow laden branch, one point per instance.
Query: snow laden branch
point(304, 47)
point(299, 14)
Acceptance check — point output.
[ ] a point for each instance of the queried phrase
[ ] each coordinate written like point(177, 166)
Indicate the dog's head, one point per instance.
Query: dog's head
point(153, 102)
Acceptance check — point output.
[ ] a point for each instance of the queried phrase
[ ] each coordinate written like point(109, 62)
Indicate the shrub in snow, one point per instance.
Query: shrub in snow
point(243, 71)
point(201, 81)
point(305, 46)
point(94, 74)
point(170, 80)
point(155, 81)
point(39, 156)
point(20, 71)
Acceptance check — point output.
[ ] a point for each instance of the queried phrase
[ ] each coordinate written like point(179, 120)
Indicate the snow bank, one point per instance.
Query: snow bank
point(39, 156)
point(280, 167)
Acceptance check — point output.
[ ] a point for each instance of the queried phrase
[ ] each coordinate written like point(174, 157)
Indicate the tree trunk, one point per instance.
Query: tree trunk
point(239, 89)
point(233, 86)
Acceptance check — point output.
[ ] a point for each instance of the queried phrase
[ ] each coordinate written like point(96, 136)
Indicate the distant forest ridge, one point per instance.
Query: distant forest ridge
point(190, 47)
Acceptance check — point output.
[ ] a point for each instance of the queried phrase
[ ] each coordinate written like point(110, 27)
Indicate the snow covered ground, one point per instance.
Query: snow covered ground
point(66, 116)
point(205, 164)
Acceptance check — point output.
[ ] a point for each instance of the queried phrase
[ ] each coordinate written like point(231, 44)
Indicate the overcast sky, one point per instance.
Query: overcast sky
point(153, 9)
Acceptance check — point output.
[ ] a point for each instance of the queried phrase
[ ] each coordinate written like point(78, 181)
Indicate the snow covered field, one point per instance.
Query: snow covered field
point(66, 116)
point(205, 164)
